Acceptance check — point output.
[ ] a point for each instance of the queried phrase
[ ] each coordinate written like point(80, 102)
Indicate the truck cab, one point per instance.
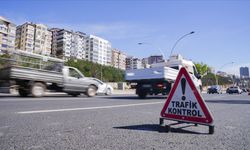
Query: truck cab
point(75, 82)
point(159, 78)
point(177, 62)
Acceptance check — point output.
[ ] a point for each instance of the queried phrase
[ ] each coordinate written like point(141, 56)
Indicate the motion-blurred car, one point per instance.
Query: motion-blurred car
point(234, 89)
point(103, 88)
point(214, 89)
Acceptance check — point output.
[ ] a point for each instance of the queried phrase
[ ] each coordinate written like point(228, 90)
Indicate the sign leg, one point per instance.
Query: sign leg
point(211, 129)
point(161, 122)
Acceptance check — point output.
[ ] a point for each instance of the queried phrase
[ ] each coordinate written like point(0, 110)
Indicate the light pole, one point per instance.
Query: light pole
point(145, 43)
point(192, 32)
point(217, 83)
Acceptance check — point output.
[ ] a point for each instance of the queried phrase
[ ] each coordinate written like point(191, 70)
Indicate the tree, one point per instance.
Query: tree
point(202, 68)
point(90, 69)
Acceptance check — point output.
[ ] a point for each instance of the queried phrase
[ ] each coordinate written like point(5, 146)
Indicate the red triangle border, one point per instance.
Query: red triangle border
point(208, 117)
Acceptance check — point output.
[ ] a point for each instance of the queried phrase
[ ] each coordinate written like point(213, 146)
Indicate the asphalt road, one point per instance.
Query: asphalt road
point(117, 122)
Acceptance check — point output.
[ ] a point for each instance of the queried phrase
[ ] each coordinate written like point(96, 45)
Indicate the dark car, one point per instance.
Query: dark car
point(234, 89)
point(214, 89)
point(245, 90)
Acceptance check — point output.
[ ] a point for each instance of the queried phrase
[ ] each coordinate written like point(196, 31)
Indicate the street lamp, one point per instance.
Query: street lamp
point(220, 69)
point(143, 43)
point(192, 32)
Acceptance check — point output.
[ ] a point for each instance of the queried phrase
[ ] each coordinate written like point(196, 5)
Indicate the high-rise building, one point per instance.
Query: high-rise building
point(68, 44)
point(133, 63)
point(118, 59)
point(244, 72)
point(54, 51)
point(98, 50)
point(7, 34)
point(79, 44)
point(34, 38)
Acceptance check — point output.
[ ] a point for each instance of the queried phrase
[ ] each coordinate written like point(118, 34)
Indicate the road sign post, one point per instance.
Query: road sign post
point(185, 104)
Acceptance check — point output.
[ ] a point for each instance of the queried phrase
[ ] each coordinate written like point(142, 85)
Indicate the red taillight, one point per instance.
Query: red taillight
point(160, 85)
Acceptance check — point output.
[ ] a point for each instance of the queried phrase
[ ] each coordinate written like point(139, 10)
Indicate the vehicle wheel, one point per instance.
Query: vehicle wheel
point(38, 89)
point(23, 93)
point(142, 94)
point(91, 91)
point(108, 92)
point(156, 93)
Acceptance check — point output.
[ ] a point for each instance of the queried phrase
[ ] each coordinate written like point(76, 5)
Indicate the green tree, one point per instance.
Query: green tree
point(202, 68)
point(90, 69)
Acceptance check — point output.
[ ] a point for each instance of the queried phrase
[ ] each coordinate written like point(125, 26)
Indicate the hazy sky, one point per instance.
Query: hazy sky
point(222, 27)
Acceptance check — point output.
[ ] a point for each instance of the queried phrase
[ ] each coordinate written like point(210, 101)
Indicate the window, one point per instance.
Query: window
point(197, 75)
point(74, 73)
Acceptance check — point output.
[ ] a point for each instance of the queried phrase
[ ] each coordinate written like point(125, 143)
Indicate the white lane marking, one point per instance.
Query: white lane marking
point(86, 108)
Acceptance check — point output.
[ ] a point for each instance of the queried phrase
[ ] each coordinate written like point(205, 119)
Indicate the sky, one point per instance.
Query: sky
point(222, 27)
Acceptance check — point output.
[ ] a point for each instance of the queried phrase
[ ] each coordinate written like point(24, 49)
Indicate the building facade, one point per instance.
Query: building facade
point(146, 62)
point(79, 45)
point(133, 63)
point(118, 59)
point(222, 74)
point(155, 59)
point(68, 44)
point(7, 34)
point(98, 50)
point(244, 72)
point(35, 38)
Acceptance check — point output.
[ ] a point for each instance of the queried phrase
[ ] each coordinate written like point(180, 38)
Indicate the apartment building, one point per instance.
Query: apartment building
point(155, 59)
point(98, 50)
point(118, 59)
point(68, 44)
point(7, 34)
point(244, 72)
point(54, 52)
point(79, 44)
point(35, 38)
point(133, 63)
point(145, 63)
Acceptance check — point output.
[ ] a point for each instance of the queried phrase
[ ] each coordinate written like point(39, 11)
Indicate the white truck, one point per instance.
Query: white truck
point(33, 74)
point(159, 78)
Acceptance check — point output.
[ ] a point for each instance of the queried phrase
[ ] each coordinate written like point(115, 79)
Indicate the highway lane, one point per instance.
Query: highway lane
point(117, 122)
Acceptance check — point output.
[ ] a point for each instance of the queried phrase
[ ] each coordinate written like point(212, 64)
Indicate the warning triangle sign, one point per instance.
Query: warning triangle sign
point(185, 103)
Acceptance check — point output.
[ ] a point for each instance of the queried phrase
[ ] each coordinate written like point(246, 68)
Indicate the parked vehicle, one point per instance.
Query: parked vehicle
point(244, 90)
point(103, 88)
point(214, 89)
point(234, 89)
point(33, 74)
point(159, 78)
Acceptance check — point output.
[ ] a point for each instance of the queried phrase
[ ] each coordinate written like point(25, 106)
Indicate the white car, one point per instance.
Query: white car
point(103, 88)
